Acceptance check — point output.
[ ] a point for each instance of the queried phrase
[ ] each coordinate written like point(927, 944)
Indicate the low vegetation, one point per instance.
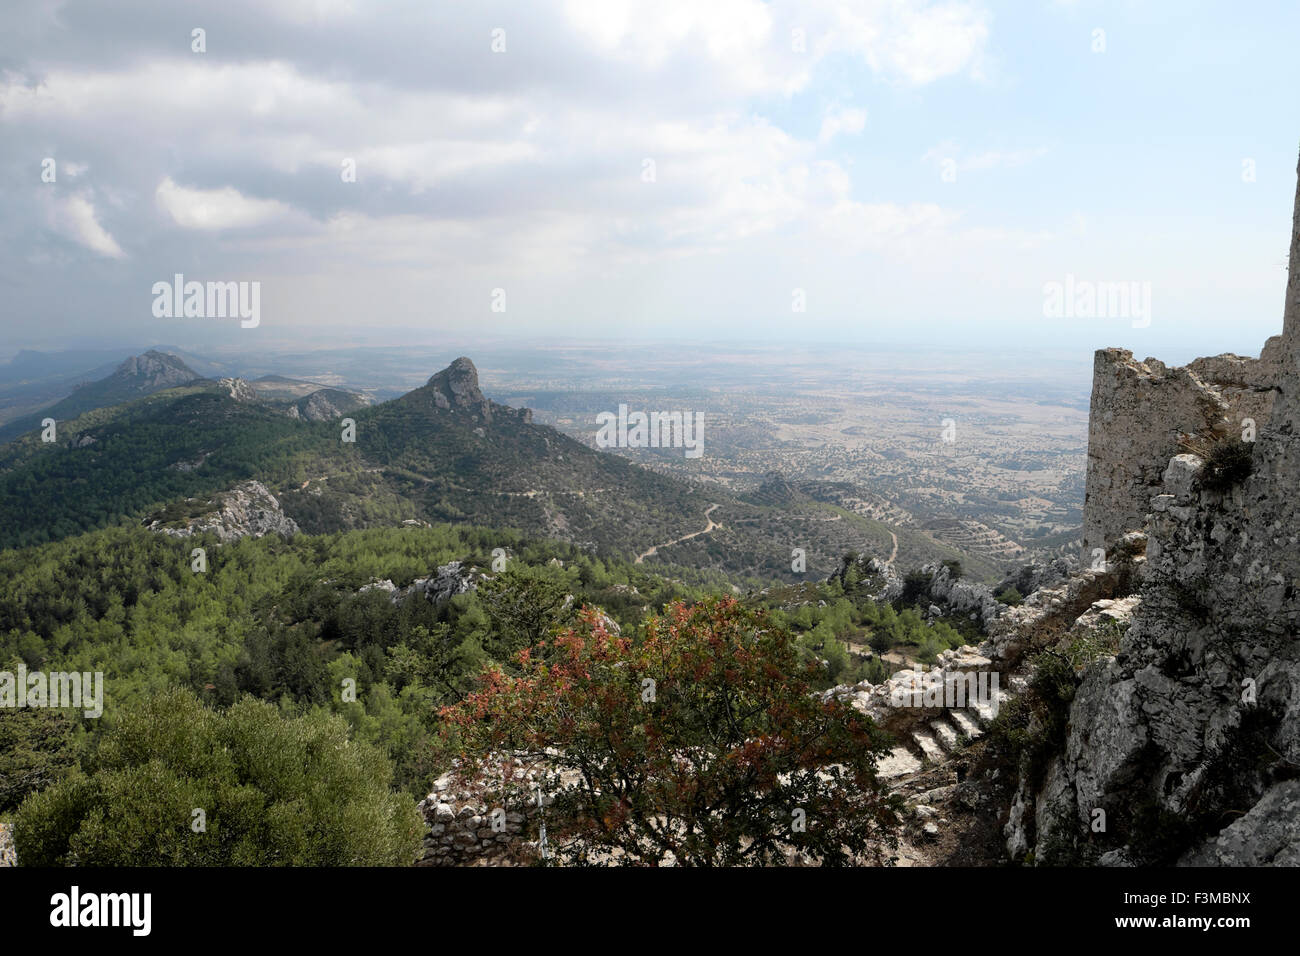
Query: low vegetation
point(175, 783)
point(310, 626)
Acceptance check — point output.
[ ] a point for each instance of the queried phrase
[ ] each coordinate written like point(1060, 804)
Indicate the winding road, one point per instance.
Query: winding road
point(711, 526)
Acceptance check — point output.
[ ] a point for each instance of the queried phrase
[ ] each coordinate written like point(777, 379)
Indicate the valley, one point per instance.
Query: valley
point(786, 463)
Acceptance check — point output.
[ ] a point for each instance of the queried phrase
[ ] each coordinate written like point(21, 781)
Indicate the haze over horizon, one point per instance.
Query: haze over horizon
point(628, 172)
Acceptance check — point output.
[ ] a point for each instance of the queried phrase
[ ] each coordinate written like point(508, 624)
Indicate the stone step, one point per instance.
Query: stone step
point(899, 762)
point(967, 724)
point(927, 744)
point(985, 712)
point(943, 732)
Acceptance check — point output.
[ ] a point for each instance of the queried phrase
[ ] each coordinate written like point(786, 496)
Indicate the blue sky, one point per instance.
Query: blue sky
point(779, 172)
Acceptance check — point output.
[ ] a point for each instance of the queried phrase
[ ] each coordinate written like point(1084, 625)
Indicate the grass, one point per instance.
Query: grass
point(1228, 461)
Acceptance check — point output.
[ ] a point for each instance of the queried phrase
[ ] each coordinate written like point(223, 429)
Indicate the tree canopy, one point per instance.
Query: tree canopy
point(700, 744)
point(178, 784)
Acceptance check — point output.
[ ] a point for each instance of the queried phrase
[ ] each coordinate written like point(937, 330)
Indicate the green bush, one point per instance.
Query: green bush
point(916, 588)
point(273, 791)
point(37, 748)
point(1228, 463)
point(1030, 728)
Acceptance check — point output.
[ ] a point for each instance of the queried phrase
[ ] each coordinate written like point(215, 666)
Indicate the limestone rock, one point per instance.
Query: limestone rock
point(248, 509)
point(155, 371)
point(1268, 835)
point(1199, 711)
point(445, 583)
point(238, 389)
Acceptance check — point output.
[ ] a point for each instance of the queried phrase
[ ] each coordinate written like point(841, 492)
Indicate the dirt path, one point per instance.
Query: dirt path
point(711, 526)
point(893, 554)
point(346, 474)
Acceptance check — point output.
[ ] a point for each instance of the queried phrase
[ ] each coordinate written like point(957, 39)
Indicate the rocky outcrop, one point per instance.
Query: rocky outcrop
point(1032, 577)
point(955, 596)
point(445, 583)
point(1188, 738)
point(456, 386)
point(876, 578)
point(947, 594)
point(950, 596)
point(238, 389)
point(327, 405)
point(455, 389)
point(1050, 612)
point(248, 509)
point(1268, 835)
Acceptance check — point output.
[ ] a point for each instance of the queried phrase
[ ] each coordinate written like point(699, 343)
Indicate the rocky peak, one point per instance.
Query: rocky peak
point(457, 384)
point(154, 371)
point(456, 389)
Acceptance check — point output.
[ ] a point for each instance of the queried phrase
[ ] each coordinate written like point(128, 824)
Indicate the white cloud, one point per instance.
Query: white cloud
point(478, 169)
point(74, 218)
point(838, 120)
point(734, 36)
point(912, 40)
point(748, 43)
point(210, 209)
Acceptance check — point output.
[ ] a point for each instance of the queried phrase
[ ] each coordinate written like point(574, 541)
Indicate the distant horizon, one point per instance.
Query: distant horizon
point(1173, 354)
point(946, 171)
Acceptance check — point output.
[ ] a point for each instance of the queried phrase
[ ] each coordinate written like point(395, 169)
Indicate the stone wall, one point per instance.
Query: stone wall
point(490, 817)
point(1193, 728)
point(1140, 410)
point(7, 855)
point(463, 830)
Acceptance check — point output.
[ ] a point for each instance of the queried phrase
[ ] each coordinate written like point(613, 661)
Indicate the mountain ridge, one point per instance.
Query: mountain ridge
point(442, 452)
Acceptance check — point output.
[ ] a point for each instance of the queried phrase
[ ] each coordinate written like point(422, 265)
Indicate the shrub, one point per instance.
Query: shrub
point(36, 750)
point(916, 587)
point(709, 769)
point(1228, 463)
point(1031, 728)
point(273, 791)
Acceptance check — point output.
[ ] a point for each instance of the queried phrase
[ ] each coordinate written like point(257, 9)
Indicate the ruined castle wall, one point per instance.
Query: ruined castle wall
point(1139, 412)
point(483, 821)
point(1199, 712)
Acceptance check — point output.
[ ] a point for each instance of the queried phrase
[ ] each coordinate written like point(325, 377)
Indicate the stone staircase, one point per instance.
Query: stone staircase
point(928, 734)
point(932, 740)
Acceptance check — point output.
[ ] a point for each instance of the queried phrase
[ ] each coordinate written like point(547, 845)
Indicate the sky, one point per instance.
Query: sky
point(682, 172)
